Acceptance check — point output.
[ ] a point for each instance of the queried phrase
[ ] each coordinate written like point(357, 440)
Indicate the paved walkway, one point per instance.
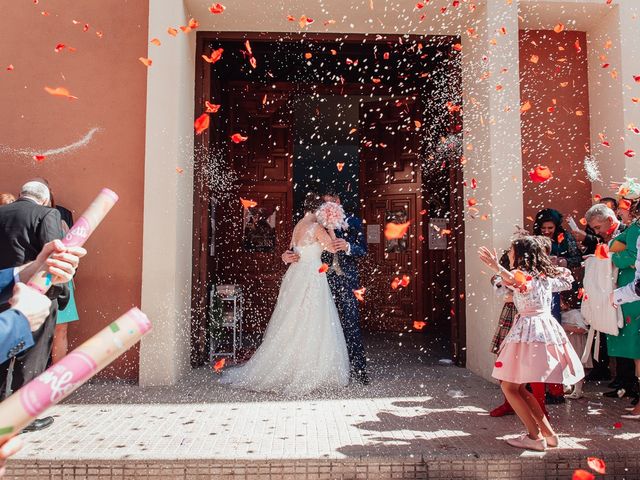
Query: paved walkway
point(415, 408)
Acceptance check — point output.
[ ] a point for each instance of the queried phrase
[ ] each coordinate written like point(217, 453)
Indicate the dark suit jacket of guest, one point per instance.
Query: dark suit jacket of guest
point(25, 227)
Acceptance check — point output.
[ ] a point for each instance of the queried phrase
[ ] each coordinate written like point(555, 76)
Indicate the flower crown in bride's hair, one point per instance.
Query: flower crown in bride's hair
point(331, 216)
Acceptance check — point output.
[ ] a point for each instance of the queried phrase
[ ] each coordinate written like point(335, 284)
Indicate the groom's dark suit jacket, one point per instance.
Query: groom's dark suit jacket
point(349, 262)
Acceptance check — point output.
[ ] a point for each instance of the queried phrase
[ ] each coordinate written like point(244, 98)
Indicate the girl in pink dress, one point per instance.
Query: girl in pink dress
point(536, 348)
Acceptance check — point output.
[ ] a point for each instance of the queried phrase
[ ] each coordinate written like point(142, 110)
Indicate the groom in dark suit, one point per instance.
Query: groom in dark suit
point(351, 246)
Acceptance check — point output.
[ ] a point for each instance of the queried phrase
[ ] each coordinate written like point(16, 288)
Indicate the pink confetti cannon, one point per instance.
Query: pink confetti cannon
point(63, 378)
point(79, 233)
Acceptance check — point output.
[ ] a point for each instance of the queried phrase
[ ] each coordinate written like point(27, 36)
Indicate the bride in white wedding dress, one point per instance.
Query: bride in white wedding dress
point(303, 348)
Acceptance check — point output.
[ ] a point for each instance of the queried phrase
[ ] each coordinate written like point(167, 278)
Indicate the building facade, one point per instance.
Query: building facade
point(540, 83)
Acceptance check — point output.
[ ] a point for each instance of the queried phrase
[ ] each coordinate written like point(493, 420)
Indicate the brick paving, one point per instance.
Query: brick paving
point(418, 419)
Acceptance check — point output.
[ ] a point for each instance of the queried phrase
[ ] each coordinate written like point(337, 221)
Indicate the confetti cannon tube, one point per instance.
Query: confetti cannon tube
point(63, 378)
point(79, 233)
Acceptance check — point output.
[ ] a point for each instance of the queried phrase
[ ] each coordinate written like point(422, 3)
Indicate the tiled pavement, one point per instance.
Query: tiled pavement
point(418, 419)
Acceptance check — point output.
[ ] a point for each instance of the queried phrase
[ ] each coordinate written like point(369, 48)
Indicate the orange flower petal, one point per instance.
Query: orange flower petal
point(248, 203)
point(59, 92)
point(395, 283)
point(419, 325)
point(172, 31)
point(340, 166)
point(323, 268)
point(211, 107)
point(215, 56)
point(396, 230)
point(155, 41)
point(359, 293)
point(624, 204)
point(147, 62)
point(560, 237)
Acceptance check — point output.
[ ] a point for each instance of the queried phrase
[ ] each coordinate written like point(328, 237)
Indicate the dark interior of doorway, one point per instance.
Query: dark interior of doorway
point(317, 67)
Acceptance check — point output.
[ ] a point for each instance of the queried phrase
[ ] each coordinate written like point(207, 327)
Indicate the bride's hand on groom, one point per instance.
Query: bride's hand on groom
point(290, 257)
point(340, 245)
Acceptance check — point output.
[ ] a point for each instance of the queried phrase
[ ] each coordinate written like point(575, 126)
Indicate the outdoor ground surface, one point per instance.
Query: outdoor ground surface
point(417, 419)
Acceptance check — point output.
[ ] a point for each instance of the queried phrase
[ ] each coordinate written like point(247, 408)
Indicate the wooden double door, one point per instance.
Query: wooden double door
point(393, 187)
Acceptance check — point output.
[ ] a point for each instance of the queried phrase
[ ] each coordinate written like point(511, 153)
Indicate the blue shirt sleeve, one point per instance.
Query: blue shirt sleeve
point(7, 277)
point(15, 334)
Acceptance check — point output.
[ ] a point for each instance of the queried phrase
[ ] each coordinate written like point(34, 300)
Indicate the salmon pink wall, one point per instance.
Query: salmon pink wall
point(110, 83)
point(553, 66)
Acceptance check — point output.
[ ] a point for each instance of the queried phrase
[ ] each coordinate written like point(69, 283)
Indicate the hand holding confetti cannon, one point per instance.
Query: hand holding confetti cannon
point(79, 233)
point(63, 378)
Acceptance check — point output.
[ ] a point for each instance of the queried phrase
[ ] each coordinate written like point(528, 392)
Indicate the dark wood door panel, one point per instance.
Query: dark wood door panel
point(390, 182)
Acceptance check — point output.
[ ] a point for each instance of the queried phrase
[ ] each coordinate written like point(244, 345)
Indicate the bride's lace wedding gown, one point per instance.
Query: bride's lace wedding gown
point(303, 348)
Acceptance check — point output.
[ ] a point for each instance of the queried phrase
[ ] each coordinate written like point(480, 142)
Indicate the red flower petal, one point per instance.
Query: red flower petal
point(216, 8)
point(201, 123)
point(219, 365)
point(237, 138)
point(597, 465)
point(323, 268)
point(39, 158)
point(630, 153)
point(498, 364)
point(582, 475)
point(602, 251)
point(540, 174)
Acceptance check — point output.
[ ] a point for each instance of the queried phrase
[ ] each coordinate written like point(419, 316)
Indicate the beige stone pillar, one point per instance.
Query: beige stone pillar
point(614, 40)
point(168, 198)
point(492, 144)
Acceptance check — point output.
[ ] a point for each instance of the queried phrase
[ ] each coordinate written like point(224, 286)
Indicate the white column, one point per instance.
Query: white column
point(168, 197)
point(611, 90)
point(492, 147)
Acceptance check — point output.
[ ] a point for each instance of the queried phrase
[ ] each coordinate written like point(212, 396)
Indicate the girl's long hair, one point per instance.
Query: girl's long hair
point(530, 256)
